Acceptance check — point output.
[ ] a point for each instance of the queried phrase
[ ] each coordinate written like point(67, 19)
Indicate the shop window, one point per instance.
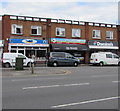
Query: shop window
point(13, 51)
point(35, 30)
point(76, 33)
point(109, 34)
point(60, 32)
point(17, 29)
point(96, 34)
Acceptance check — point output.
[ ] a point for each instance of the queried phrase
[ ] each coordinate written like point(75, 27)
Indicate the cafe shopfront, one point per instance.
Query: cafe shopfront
point(105, 46)
point(29, 47)
point(76, 47)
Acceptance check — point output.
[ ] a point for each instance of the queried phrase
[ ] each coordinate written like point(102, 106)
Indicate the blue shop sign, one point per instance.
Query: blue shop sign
point(28, 41)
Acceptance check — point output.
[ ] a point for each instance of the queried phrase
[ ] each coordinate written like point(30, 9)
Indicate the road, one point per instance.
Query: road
point(85, 87)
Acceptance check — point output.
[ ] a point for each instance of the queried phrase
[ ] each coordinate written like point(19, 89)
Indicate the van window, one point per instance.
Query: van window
point(115, 56)
point(108, 55)
point(62, 55)
point(69, 55)
point(22, 56)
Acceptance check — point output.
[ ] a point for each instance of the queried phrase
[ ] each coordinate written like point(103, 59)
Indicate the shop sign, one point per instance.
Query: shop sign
point(28, 42)
point(97, 43)
point(102, 44)
point(71, 48)
point(67, 41)
point(64, 47)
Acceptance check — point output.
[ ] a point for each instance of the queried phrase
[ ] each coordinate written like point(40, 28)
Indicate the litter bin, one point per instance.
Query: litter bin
point(19, 63)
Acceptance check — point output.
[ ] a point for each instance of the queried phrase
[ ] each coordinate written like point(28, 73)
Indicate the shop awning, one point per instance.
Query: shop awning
point(64, 47)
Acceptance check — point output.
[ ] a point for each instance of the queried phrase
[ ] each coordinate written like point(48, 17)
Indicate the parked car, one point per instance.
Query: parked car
point(61, 58)
point(9, 59)
point(104, 58)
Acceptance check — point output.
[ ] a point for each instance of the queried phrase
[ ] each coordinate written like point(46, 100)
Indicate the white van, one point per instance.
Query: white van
point(9, 59)
point(104, 58)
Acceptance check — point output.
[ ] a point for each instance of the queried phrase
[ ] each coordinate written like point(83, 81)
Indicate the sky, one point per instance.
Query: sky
point(100, 11)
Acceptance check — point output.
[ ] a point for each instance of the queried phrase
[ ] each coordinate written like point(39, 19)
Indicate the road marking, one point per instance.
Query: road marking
point(32, 79)
point(103, 75)
point(115, 81)
point(53, 86)
point(85, 102)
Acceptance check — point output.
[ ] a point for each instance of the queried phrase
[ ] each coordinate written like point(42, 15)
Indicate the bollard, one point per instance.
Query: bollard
point(32, 68)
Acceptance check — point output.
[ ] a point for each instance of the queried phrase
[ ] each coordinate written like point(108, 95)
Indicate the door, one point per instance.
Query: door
point(115, 59)
point(69, 59)
point(109, 59)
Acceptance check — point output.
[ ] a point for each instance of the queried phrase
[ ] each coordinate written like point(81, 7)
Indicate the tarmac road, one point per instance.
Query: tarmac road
point(84, 87)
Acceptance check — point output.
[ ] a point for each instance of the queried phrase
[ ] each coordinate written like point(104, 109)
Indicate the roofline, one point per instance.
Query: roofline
point(58, 19)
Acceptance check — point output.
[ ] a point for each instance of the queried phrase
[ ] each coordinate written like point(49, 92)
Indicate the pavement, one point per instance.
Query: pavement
point(28, 71)
point(44, 70)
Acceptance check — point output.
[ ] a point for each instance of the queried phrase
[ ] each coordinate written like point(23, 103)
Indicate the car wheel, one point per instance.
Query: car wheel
point(101, 64)
point(55, 64)
point(75, 64)
point(119, 64)
point(7, 65)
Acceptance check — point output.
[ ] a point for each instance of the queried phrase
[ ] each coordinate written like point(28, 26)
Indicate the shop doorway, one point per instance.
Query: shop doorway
point(29, 53)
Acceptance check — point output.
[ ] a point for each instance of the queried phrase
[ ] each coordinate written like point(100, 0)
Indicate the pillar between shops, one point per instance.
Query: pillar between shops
point(6, 31)
point(87, 58)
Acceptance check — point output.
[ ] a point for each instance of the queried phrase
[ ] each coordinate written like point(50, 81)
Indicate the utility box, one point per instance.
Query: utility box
point(19, 63)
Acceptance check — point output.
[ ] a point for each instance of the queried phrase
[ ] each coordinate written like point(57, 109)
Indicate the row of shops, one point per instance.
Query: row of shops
point(77, 47)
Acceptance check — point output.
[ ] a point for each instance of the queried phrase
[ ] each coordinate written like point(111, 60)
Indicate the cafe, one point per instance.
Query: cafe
point(29, 47)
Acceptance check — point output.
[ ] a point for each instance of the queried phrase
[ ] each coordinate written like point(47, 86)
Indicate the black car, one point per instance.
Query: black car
point(61, 58)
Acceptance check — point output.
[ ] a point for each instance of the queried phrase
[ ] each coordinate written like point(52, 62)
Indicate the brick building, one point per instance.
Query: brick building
point(34, 35)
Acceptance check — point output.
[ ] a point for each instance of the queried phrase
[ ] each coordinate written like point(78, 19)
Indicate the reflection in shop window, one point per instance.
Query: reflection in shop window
point(13, 51)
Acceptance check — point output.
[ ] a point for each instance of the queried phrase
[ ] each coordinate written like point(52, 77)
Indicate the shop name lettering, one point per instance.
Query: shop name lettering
point(103, 44)
point(71, 48)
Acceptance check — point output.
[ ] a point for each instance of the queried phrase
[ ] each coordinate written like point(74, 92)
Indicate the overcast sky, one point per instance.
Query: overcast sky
point(82, 10)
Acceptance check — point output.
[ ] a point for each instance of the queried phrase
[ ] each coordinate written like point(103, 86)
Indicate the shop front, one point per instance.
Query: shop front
point(105, 46)
point(76, 47)
point(29, 47)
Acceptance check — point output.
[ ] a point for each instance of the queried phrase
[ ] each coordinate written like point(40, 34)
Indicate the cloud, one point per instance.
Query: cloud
point(83, 11)
point(60, 1)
